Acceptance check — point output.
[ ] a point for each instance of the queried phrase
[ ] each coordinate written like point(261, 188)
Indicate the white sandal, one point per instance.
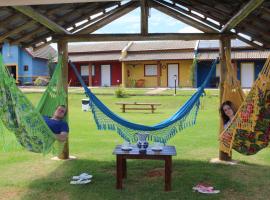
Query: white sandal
point(80, 182)
point(82, 176)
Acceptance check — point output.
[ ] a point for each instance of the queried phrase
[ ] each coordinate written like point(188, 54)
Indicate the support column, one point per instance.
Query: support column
point(124, 80)
point(63, 49)
point(90, 74)
point(225, 43)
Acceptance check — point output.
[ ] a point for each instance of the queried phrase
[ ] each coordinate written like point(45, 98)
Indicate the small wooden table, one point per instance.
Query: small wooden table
point(138, 106)
point(121, 164)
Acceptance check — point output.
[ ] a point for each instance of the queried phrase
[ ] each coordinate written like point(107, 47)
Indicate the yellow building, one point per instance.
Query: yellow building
point(158, 64)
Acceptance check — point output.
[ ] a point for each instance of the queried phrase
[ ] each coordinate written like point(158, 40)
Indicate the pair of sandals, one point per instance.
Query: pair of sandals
point(82, 179)
point(205, 189)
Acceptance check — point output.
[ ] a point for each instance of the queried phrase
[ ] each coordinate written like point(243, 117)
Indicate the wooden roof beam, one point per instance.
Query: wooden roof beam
point(30, 12)
point(96, 10)
point(119, 12)
point(40, 2)
point(140, 37)
point(203, 19)
point(17, 30)
point(242, 14)
point(181, 17)
point(144, 17)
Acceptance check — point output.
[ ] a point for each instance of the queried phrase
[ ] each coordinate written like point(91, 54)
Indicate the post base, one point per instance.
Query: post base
point(69, 158)
point(218, 161)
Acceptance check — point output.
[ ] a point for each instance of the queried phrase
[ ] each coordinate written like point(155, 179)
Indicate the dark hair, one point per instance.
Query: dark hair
point(225, 118)
point(63, 106)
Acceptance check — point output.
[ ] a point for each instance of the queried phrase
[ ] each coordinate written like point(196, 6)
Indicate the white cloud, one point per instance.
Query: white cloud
point(189, 29)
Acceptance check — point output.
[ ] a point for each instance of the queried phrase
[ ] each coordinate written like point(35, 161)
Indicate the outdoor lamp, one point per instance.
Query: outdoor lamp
point(175, 79)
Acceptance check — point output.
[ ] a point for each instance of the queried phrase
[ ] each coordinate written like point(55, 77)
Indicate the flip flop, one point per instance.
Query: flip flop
point(208, 191)
point(202, 186)
point(82, 176)
point(80, 182)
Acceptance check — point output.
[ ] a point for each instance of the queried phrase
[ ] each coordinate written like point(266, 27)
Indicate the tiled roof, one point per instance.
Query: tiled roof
point(214, 44)
point(44, 53)
point(159, 56)
point(162, 45)
point(95, 57)
point(249, 54)
point(96, 47)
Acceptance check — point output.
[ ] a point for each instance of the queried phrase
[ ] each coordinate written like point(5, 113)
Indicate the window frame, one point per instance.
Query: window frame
point(150, 75)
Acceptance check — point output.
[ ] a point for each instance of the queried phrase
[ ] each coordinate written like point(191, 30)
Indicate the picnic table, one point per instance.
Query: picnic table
point(122, 156)
point(138, 106)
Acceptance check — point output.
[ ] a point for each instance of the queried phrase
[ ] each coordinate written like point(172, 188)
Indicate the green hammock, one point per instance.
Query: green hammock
point(20, 117)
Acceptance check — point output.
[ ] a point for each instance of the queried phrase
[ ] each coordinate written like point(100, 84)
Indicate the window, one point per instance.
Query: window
point(93, 70)
point(25, 68)
point(84, 70)
point(150, 70)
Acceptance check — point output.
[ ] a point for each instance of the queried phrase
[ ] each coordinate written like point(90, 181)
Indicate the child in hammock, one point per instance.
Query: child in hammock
point(56, 123)
point(227, 113)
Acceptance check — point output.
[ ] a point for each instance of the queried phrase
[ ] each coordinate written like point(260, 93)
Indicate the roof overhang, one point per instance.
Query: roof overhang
point(43, 2)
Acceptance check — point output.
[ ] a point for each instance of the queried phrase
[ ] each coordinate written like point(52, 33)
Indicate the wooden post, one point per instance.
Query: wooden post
point(124, 74)
point(225, 43)
point(90, 75)
point(144, 17)
point(62, 49)
point(158, 73)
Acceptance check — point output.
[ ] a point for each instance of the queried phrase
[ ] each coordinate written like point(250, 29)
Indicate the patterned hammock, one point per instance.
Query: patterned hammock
point(249, 131)
point(161, 132)
point(19, 116)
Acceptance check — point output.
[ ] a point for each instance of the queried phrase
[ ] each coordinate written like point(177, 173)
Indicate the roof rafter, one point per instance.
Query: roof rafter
point(30, 12)
point(40, 2)
point(242, 14)
point(140, 37)
point(17, 30)
point(190, 13)
point(179, 16)
point(118, 12)
point(41, 29)
point(96, 10)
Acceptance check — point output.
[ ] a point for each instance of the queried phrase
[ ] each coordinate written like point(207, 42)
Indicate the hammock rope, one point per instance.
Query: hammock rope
point(249, 131)
point(185, 117)
point(20, 117)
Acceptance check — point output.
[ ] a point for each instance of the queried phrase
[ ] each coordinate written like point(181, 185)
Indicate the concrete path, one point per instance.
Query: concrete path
point(156, 91)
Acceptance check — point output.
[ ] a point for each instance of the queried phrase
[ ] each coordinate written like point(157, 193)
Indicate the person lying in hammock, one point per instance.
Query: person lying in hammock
point(227, 113)
point(56, 123)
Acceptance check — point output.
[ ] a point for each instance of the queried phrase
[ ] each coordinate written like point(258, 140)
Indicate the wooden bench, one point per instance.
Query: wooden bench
point(139, 106)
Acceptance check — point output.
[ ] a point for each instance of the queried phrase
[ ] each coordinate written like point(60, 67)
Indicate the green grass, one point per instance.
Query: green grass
point(25, 175)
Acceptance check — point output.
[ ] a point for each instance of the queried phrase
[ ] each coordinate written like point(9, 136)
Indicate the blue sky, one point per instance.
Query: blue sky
point(157, 23)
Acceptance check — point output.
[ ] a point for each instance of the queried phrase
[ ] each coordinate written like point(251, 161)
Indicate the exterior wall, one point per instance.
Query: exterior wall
point(135, 71)
point(258, 65)
point(185, 73)
point(116, 77)
point(116, 70)
point(25, 76)
point(15, 56)
point(11, 57)
point(203, 68)
point(40, 68)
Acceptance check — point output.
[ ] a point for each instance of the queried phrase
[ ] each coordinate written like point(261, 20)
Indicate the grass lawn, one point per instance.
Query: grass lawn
point(25, 175)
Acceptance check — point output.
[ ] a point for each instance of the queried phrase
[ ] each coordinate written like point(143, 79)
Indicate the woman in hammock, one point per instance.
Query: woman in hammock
point(227, 113)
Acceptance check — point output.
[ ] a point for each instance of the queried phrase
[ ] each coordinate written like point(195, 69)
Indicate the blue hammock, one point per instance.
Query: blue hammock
point(161, 132)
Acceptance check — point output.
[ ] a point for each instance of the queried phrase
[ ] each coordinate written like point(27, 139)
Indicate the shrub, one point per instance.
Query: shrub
point(41, 81)
point(120, 92)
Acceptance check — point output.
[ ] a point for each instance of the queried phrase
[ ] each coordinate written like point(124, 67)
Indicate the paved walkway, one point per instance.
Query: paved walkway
point(156, 91)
